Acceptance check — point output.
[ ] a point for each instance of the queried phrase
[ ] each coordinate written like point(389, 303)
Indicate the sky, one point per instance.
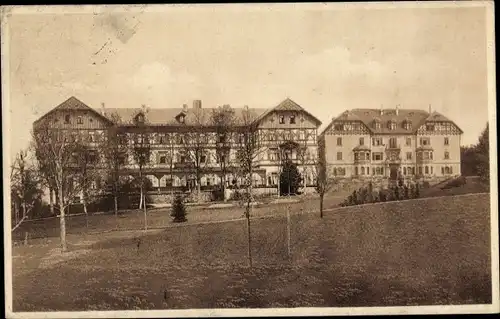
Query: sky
point(326, 58)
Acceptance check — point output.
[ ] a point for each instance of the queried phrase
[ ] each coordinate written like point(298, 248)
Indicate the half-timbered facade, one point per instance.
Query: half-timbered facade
point(185, 146)
point(392, 143)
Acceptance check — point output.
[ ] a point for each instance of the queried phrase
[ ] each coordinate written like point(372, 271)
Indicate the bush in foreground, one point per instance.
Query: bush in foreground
point(178, 210)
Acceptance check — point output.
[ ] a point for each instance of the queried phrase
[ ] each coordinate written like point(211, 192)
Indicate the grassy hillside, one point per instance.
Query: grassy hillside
point(409, 253)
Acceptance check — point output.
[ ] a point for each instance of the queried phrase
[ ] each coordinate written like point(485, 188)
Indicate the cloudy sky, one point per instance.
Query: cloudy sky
point(326, 58)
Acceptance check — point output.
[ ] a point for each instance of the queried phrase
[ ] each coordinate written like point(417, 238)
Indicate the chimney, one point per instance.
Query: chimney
point(430, 109)
point(197, 104)
point(184, 108)
point(381, 110)
point(397, 109)
point(103, 108)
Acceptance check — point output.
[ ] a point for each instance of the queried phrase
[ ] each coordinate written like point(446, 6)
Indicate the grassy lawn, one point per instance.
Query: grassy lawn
point(421, 252)
point(160, 217)
point(474, 185)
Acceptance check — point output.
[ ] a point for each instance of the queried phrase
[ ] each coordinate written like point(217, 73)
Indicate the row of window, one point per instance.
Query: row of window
point(391, 125)
point(379, 156)
point(291, 119)
point(378, 141)
point(406, 171)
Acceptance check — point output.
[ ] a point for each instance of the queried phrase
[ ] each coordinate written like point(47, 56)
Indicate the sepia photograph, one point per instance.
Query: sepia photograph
point(249, 159)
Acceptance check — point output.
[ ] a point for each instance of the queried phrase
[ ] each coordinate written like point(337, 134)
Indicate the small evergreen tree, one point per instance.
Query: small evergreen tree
point(290, 178)
point(354, 200)
point(178, 210)
point(417, 191)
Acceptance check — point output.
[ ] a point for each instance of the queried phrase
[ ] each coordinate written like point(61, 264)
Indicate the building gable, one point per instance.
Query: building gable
point(288, 108)
point(73, 113)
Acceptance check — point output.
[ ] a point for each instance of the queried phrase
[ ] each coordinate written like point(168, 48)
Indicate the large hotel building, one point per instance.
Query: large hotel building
point(392, 143)
point(360, 143)
point(285, 130)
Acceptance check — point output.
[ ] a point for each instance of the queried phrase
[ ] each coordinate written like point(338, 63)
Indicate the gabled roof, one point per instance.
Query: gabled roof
point(72, 104)
point(167, 116)
point(288, 105)
point(415, 117)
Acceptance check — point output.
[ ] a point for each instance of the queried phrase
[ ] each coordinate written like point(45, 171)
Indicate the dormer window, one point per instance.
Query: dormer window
point(391, 125)
point(181, 118)
point(376, 124)
point(429, 127)
point(407, 125)
point(292, 119)
point(79, 120)
point(139, 118)
point(67, 119)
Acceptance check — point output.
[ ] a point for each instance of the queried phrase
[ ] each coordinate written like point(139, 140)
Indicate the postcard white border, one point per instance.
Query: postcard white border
point(463, 309)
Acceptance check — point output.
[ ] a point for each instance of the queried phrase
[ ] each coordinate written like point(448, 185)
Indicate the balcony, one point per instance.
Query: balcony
point(361, 154)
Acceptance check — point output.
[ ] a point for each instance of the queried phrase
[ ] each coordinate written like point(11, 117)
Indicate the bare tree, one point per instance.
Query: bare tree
point(114, 151)
point(223, 119)
point(141, 151)
point(88, 171)
point(170, 144)
point(196, 145)
point(248, 150)
point(57, 156)
point(324, 182)
point(26, 187)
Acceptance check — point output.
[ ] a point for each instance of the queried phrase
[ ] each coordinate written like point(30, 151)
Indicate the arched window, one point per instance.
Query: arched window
point(367, 171)
point(447, 170)
point(427, 170)
point(362, 170)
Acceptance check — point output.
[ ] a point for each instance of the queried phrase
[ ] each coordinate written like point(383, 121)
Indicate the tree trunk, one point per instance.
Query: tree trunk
point(85, 211)
point(321, 196)
point(249, 236)
point(145, 213)
point(116, 204)
point(141, 188)
point(223, 182)
point(248, 212)
point(51, 201)
point(288, 232)
point(62, 221)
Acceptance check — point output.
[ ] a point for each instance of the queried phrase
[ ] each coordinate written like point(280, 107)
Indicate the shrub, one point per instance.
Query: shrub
point(406, 192)
point(382, 196)
point(218, 194)
point(354, 198)
point(456, 182)
point(417, 190)
point(400, 182)
point(178, 210)
point(426, 184)
point(370, 198)
point(362, 196)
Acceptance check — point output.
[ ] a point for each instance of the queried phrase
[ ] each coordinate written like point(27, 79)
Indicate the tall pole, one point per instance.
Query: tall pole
point(288, 232)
